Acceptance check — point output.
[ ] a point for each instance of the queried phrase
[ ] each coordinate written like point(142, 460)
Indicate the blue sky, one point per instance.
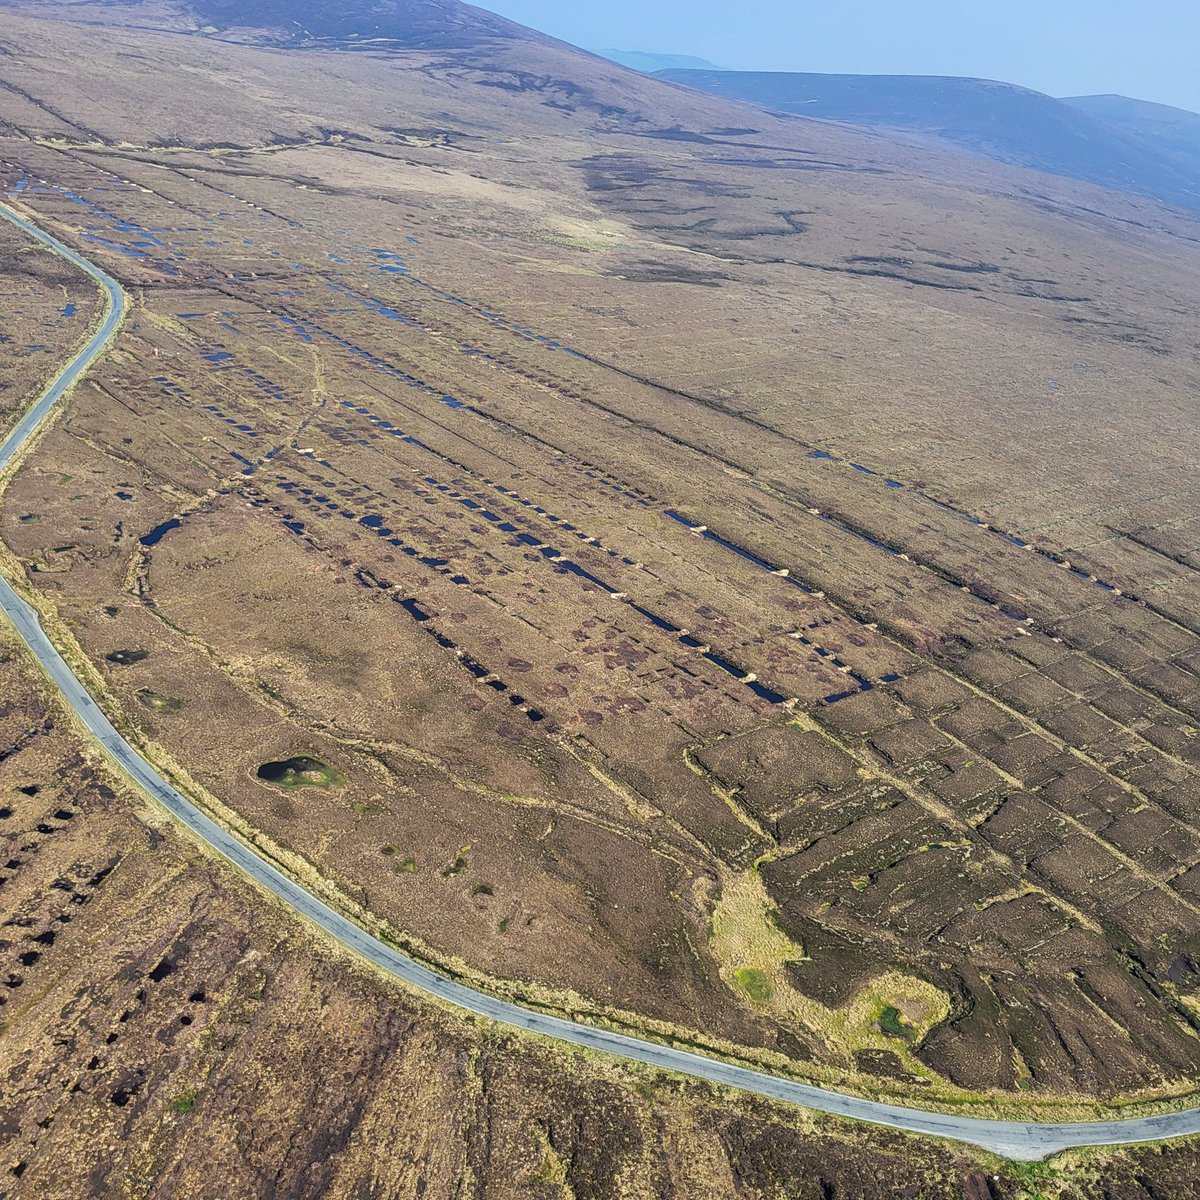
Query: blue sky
point(1144, 48)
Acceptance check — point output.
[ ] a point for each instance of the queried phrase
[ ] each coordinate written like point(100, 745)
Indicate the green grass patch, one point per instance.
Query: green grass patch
point(755, 984)
point(184, 1103)
point(1035, 1179)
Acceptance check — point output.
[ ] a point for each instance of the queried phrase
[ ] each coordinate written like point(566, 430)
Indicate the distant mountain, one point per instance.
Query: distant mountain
point(1004, 122)
point(644, 60)
point(1173, 129)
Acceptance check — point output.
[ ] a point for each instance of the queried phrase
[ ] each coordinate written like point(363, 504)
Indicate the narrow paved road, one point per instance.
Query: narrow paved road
point(80, 363)
point(1017, 1140)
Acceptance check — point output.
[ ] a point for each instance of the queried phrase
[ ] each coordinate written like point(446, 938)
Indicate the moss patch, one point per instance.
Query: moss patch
point(893, 1024)
point(458, 865)
point(156, 703)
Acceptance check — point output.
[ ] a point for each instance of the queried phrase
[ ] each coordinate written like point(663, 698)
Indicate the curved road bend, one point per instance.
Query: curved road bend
point(29, 423)
point(1013, 1139)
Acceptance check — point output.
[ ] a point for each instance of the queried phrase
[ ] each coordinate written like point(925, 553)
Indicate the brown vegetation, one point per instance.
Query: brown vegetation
point(727, 566)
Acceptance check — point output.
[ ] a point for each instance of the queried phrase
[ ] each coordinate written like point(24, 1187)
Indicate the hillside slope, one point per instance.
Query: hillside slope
point(673, 562)
point(1172, 129)
point(1004, 122)
point(377, 25)
point(645, 60)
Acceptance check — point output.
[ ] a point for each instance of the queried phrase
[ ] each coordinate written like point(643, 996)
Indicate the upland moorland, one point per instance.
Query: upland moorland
point(714, 572)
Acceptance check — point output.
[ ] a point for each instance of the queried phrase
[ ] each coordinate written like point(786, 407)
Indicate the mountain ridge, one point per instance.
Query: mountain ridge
point(650, 61)
point(1175, 130)
point(1001, 121)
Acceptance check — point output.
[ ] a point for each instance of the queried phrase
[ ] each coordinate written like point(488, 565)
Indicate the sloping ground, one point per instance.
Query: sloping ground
point(168, 1034)
point(643, 60)
point(689, 538)
point(382, 24)
point(44, 303)
point(1008, 123)
point(1174, 130)
point(413, 24)
point(517, 82)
